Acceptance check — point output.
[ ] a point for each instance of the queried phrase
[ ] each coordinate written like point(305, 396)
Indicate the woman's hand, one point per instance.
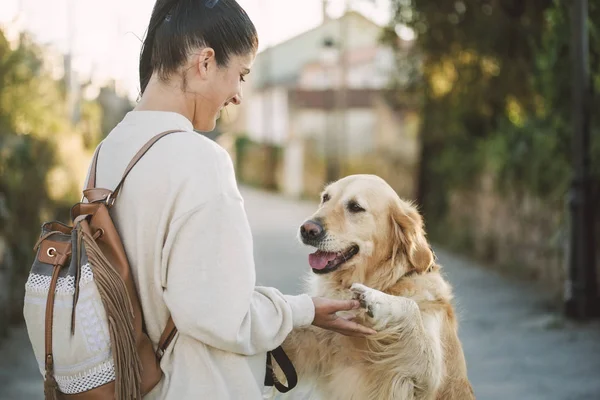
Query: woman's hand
point(326, 318)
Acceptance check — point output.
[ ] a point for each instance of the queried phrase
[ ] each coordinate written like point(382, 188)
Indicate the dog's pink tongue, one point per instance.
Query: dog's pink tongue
point(319, 259)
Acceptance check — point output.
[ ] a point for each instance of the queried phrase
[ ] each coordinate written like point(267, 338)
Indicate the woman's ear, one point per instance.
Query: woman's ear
point(205, 61)
point(409, 238)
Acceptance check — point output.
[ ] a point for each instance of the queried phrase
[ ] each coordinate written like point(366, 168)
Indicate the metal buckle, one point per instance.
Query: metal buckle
point(110, 201)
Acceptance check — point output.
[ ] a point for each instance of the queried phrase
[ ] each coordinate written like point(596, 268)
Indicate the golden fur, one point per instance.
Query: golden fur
point(416, 353)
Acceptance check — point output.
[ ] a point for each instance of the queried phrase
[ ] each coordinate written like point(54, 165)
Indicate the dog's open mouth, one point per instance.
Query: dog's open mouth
point(323, 262)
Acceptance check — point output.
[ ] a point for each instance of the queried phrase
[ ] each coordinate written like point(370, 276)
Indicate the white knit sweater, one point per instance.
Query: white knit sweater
point(182, 221)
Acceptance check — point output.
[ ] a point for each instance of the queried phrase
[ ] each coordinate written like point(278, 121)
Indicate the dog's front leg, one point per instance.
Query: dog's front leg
point(406, 338)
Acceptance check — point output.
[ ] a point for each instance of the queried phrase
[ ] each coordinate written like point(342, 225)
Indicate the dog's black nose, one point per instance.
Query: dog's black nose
point(311, 230)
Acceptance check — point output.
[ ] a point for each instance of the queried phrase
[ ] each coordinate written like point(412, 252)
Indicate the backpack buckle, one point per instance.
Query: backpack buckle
point(110, 200)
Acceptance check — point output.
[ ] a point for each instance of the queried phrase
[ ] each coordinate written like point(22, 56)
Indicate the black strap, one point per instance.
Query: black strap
point(286, 366)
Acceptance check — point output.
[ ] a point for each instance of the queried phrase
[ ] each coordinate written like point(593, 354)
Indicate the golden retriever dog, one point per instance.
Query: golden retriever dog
point(371, 246)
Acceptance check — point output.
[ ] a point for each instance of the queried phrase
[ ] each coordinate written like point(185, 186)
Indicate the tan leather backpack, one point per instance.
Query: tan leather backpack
point(82, 310)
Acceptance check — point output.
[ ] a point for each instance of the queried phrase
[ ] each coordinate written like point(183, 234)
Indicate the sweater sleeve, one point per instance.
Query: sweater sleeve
point(210, 288)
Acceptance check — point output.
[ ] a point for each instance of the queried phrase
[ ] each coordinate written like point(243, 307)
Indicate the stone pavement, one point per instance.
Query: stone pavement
point(515, 347)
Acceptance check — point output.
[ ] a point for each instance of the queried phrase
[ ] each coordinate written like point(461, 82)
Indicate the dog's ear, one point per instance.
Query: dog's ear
point(409, 238)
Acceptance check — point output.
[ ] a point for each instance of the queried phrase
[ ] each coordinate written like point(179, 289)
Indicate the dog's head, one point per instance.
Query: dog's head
point(364, 231)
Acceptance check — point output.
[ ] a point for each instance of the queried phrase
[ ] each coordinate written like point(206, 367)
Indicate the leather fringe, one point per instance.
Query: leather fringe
point(50, 386)
point(119, 312)
point(77, 277)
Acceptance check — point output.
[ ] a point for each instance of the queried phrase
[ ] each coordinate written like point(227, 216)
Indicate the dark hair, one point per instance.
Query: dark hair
point(178, 26)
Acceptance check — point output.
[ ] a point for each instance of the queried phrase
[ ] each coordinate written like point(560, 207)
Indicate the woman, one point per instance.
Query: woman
point(181, 216)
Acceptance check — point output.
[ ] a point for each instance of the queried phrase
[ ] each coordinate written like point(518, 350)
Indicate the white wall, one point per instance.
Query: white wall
point(357, 138)
point(267, 116)
point(293, 168)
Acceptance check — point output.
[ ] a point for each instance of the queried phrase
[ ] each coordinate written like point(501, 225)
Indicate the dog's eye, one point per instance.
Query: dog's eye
point(325, 198)
point(354, 207)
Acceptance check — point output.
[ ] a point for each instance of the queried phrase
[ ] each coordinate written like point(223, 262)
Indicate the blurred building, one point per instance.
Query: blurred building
point(292, 99)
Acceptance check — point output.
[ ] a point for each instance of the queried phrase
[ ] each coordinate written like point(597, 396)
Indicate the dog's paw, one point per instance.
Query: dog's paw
point(382, 308)
point(369, 298)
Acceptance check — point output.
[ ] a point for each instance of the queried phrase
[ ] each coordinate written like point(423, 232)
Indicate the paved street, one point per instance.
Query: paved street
point(515, 348)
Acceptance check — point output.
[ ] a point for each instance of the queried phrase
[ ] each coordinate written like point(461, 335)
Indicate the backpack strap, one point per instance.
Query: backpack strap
point(170, 329)
point(137, 158)
point(166, 338)
point(91, 184)
point(93, 194)
point(58, 256)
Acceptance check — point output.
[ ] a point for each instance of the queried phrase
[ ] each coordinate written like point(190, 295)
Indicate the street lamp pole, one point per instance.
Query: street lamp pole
point(330, 58)
point(341, 92)
point(581, 293)
point(335, 140)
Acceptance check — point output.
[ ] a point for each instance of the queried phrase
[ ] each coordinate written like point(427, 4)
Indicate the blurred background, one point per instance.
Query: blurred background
point(482, 111)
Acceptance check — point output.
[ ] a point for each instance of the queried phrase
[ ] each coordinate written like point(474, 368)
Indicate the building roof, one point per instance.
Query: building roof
point(282, 64)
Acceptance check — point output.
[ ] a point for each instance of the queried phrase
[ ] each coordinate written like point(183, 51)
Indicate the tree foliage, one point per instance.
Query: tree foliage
point(29, 112)
point(494, 80)
point(43, 155)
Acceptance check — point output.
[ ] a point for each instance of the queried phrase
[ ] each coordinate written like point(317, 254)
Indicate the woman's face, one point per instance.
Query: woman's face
point(217, 86)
